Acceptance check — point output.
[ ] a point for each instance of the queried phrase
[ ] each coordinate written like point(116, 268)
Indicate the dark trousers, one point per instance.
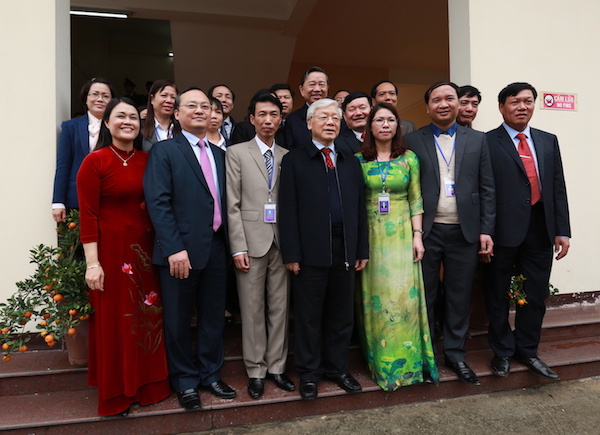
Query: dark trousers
point(533, 259)
point(445, 244)
point(205, 290)
point(323, 316)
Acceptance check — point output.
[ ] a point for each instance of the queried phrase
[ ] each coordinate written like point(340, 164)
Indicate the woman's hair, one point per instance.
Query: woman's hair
point(104, 137)
point(85, 90)
point(368, 149)
point(148, 127)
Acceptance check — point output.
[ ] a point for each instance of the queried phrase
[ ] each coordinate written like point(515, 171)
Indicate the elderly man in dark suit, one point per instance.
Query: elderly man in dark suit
point(323, 230)
point(532, 220)
point(184, 185)
point(458, 197)
point(314, 85)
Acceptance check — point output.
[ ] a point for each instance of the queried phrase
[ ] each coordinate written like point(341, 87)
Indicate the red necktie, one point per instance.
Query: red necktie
point(362, 136)
point(328, 161)
point(529, 164)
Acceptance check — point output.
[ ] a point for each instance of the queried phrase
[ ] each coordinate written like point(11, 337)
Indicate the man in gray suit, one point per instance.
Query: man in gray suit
point(252, 190)
point(459, 201)
point(387, 92)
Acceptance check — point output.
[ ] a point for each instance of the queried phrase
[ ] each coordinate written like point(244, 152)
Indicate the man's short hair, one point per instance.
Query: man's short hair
point(178, 97)
point(312, 70)
point(280, 86)
point(437, 85)
point(212, 88)
point(353, 96)
point(469, 92)
point(376, 85)
point(319, 104)
point(265, 97)
point(513, 89)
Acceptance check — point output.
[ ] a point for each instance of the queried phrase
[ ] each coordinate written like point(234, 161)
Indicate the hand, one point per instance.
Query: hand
point(360, 264)
point(179, 264)
point(242, 262)
point(486, 245)
point(59, 214)
point(95, 278)
point(293, 267)
point(561, 246)
point(418, 248)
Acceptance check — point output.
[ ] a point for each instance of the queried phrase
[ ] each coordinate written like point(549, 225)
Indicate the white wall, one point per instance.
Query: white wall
point(36, 76)
point(551, 44)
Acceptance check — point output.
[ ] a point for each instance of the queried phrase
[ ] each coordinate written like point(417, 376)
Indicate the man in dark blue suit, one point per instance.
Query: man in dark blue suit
point(314, 85)
point(184, 186)
point(532, 220)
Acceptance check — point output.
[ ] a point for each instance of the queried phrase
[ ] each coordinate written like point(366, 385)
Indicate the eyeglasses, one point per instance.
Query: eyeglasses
point(325, 118)
point(381, 121)
point(96, 95)
point(193, 106)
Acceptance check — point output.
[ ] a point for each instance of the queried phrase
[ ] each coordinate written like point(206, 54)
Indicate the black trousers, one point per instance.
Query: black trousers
point(323, 316)
point(204, 289)
point(445, 244)
point(533, 259)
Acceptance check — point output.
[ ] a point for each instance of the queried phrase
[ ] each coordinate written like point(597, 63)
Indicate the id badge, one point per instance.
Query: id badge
point(384, 203)
point(270, 213)
point(449, 187)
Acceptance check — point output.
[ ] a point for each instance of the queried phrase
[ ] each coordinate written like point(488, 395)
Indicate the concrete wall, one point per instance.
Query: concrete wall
point(550, 44)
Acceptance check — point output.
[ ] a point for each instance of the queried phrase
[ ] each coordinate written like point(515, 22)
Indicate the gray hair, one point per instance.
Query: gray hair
point(319, 104)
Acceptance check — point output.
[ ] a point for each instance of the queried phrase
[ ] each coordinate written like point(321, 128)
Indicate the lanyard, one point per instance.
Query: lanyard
point(382, 175)
point(448, 162)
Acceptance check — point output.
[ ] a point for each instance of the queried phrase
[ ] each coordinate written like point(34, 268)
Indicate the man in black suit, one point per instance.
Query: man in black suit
point(356, 108)
point(314, 85)
point(532, 219)
point(184, 185)
point(458, 197)
point(226, 96)
point(323, 233)
point(385, 91)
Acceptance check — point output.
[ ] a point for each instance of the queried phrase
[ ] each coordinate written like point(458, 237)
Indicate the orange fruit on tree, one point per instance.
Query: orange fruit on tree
point(6, 358)
point(51, 343)
point(23, 348)
point(27, 314)
point(46, 316)
point(72, 312)
point(47, 287)
point(5, 330)
point(43, 323)
point(58, 321)
point(521, 301)
point(58, 297)
point(48, 338)
point(44, 333)
point(71, 331)
point(72, 225)
point(5, 346)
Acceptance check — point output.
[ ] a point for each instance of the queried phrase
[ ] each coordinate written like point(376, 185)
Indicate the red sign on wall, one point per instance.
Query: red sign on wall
point(559, 101)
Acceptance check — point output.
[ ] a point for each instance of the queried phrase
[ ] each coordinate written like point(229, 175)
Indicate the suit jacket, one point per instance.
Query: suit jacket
point(147, 144)
point(297, 133)
point(179, 201)
point(474, 180)
point(407, 126)
point(513, 193)
point(304, 224)
point(73, 146)
point(348, 140)
point(247, 192)
point(233, 127)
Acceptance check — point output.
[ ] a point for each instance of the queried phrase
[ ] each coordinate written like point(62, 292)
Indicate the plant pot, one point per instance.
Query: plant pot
point(77, 345)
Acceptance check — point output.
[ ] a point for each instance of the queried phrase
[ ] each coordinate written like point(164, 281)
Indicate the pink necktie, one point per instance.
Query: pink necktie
point(208, 175)
point(529, 164)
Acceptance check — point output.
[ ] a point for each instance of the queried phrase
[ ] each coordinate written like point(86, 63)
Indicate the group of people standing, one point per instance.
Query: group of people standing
point(335, 201)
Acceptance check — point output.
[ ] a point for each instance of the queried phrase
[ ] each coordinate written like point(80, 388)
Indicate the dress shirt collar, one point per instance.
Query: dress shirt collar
point(263, 146)
point(359, 135)
point(192, 138)
point(513, 133)
point(437, 131)
point(92, 119)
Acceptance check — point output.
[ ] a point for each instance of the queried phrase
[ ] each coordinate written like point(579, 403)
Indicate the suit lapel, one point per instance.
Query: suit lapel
point(507, 143)
point(219, 157)
point(431, 152)
point(190, 157)
point(540, 150)
point(84, 135)
point(259, 159)
point(459, 149)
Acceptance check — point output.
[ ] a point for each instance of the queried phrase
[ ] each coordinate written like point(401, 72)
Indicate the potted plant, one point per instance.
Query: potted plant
point(54, 299)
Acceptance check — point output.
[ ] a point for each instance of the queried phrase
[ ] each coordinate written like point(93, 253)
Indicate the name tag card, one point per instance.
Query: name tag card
point(270, 213)
point(449, 187)
point(384, 203)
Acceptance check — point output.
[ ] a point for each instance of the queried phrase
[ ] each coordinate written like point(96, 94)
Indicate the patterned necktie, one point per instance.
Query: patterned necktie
point(328, 161)
point(224, 131)
point(208, 175)
point(529, 164)
point(268, 156)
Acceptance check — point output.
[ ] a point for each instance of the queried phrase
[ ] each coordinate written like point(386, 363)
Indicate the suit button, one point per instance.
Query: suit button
point(528, 201)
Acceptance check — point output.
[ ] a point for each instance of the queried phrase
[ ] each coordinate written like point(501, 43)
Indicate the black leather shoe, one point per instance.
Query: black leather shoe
point(308, 390)
point(346, 382)
point(221, 389)
point(463, 371)
point(539, 367)
point(189, 399)
point(283, 382)
point(256, 387)
point(500, 366)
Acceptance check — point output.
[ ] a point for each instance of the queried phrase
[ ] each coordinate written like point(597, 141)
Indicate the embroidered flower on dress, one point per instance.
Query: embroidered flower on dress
point(127, 268)
point(151, 298)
